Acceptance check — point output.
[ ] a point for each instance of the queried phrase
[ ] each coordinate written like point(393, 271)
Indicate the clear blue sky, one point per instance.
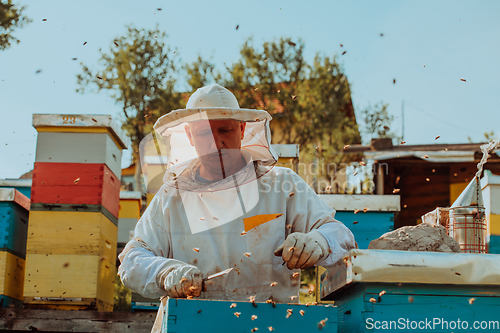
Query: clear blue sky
point(452, 39)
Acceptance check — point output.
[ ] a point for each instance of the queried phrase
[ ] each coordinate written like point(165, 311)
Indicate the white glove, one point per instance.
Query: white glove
point(180, 280)
point(301, 250)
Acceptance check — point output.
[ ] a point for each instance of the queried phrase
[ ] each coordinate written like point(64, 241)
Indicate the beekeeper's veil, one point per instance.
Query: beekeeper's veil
point(188, 143)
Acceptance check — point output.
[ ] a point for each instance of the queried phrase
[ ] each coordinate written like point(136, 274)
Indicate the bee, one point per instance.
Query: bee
point(296, 274)
point(247, 254)
point(396, 190)
point(243, 233)
point(189, 297)
point(437, 137)
point(355, 222)
point(271, 328)
point(196, 249)
point(308, 303)
point(410, 299)
point(427, 179)
point(373, 300)
point(322, 323)
point(289, 313)
point(293, 297)
point(76, 180)
point(254, 317)
point(425, 156)
point(301, 312)
point(237, 314)
point(269, 301)
point(273, 284)
point(471, 300)
point(202, 219)
point(346, 147)
point(254, 329)
point(251, 298)
point(356, 211)
point(381, 293)
point(291, 194)
point(365, 209)
point(233, 305)
point(403, 142)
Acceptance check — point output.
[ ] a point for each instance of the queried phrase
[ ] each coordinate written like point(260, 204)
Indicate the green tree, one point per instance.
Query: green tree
point(11, 17)
point(377, 122)
point(200, 73)
point(139, 71)
point(310, 103)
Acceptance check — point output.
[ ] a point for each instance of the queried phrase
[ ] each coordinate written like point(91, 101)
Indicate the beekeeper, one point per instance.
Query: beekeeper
point(223, 204)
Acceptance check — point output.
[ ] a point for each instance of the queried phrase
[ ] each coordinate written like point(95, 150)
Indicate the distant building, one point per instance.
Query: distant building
point(425, 176)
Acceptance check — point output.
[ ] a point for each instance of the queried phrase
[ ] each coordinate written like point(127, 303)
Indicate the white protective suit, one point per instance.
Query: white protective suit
point(235, 222)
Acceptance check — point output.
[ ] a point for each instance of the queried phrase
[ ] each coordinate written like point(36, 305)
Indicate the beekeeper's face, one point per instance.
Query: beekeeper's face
point(218, 143)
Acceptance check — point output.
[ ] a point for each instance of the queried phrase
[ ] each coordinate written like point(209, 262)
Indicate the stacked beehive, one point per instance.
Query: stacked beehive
point(490, 185)
point(14, 211)
point(73, 226)
point(130, 212)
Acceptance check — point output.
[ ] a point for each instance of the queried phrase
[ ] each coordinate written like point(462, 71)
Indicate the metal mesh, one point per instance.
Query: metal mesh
point(468, 227)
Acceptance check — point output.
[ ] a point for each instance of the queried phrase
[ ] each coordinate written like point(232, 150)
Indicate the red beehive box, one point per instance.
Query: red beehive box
point(76, 183)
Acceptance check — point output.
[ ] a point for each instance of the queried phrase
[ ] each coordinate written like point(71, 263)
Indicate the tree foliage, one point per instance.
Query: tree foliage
point(376, 122)
point(139, 72)
point(11, 17)
point(310, 103)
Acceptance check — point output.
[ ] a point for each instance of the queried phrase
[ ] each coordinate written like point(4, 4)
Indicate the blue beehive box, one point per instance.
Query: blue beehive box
point(367, 216)
point(383, 290)
point(22, 185)
point(14, 213)
point(183, 315)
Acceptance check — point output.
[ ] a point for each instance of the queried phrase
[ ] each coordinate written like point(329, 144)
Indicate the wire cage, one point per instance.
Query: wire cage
point(467, 225)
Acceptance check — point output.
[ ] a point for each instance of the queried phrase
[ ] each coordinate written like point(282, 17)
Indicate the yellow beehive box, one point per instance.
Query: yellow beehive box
point(130, 212)
point(11, 275)
point(83, 233)
point(69, 281)
point(490, 185)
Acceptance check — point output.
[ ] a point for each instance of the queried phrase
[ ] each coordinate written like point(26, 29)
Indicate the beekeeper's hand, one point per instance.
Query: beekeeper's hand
point(301, 250)
point(180, 280)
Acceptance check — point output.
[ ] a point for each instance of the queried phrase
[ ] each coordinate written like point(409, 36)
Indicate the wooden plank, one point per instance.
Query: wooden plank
point(182, 315)
point(76, 321)
point(76, 183)
point(72, 233)
point(11, 275)
point(79, 148)
point(69, 276)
